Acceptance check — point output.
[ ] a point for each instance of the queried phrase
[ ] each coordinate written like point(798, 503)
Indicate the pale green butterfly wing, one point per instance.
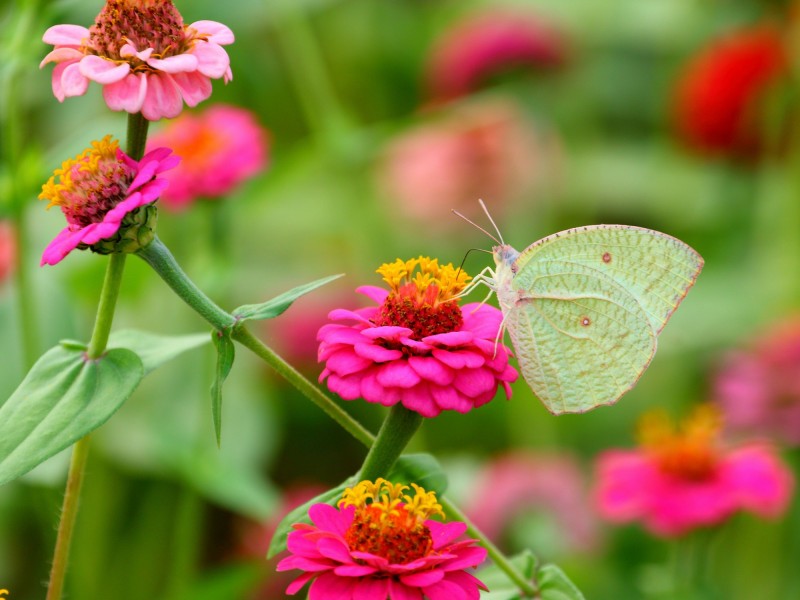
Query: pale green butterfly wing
point(583, 308)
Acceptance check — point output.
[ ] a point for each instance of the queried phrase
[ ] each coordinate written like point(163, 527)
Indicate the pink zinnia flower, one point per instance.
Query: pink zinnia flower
point(418, 347)
point(143, 55)
point(483, 148)
point(381, 543)
point(8, 250)
point(486, 43)
point(520, 482)
point(682, 480)
point(106, 197)
point(759, 390)
point(219, 148)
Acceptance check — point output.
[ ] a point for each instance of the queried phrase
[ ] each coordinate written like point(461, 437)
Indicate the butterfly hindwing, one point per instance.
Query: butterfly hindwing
point(581, 340)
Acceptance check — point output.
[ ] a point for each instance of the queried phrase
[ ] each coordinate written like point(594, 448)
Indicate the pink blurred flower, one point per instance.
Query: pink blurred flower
point(483, 44)
point(103, 193)
point(8, 250)
point(143, 55)
point(380, 543)
point(219, 148)
point(683, 480)
point(521, 481)
point(759, 390)
point(720, 94)
point(418, 347)
point(479, 149)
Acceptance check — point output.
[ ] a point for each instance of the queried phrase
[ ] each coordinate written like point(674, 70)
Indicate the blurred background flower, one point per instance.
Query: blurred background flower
point(8, 250)
point(220, 147)
point(723, 94)
point(758, 388)
point(489, 43)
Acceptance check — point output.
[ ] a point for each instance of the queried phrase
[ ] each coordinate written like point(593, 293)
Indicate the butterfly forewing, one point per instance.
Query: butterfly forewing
point(581, 339)
point(655, 268)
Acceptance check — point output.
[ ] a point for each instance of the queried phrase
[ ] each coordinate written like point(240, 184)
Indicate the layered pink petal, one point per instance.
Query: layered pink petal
point(72, 82)
point(180, 63)
point(214, 32)
point(127, 94)
point(65, 35)
point(163, 98)
point(61, 54)
point(194, 87)
point(212, 60)
point(103, 71)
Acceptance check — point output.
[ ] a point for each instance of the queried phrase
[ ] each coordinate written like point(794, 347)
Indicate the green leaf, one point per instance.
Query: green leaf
point(273, 308)
point(555, 585)
point(422, 469)
point(225, 355)
point(63, 398)
point(500, 586)
point(155, 349)
point(300, 515)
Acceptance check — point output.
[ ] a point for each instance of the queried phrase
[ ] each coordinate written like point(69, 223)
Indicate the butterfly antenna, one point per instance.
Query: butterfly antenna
point(461, 266)
point(474, 224)
point(491, 220)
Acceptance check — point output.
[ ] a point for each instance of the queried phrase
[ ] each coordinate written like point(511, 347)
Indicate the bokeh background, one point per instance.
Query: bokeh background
point(380, 117)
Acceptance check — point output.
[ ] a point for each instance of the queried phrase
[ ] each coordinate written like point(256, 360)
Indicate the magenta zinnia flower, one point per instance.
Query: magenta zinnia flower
point(419, 347)
point(682, 480)
point(106, 197)
point(381, 543)
point(143, 55)
point(219, 148)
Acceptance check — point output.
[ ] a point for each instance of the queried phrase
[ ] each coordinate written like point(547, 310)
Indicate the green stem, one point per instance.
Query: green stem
point(108, 301)
point(137, 136)
point(186, 544)
point(160, 258)
point(69, 512)
point(397, 429)
point(308, 389)
point(527, 587)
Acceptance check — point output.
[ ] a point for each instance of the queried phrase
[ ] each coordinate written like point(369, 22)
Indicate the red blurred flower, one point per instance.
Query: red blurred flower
point(8, 250)
point(486, 43)
point(719, 98)
point(759, 390)
point(683, 479)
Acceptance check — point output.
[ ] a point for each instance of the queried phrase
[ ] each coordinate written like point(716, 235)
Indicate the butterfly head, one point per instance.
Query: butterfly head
point(504, 256)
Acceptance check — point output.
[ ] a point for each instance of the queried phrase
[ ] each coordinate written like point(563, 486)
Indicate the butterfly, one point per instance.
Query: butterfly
point(584, 307)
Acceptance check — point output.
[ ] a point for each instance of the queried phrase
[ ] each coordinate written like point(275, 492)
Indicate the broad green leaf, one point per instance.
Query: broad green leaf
point(273, 308)
point(422, 469)
point(155, 349)
point(225, 355)
point(300, 515)
point(63, 398)
point(500, 586)
point(555, 585)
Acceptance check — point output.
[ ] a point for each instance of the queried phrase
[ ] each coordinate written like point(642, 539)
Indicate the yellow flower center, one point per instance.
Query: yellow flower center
point(689, 451)
point(388, 522)
point(88, 186)
point(422, 296)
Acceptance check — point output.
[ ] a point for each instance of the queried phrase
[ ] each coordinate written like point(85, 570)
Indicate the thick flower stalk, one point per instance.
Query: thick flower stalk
point(219, 149)
point(144, 56)
point(418, 347)
point(683, 479)
point(107, 199)
point(381, 543)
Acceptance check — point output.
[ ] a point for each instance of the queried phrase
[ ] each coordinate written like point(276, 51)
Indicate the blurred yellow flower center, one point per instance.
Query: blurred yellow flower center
point(422, 296)
point(688, 451)
point(389, 522)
